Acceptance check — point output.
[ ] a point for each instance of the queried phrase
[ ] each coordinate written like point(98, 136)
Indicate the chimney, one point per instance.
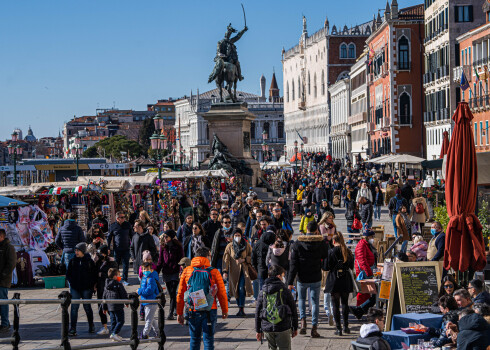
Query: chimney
point(262, 87)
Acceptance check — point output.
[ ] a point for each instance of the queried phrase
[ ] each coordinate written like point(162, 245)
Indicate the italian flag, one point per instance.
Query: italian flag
point(55, 190)
point(77, 189)
point(476, 74)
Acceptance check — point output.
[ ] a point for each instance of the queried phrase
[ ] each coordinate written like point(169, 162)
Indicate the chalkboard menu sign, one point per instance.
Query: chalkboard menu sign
point(414, 288)
point(419, 286)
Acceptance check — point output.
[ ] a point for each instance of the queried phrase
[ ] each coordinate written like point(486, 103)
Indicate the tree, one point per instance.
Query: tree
point(113, 146)
point(90, 152)
point(146, 131)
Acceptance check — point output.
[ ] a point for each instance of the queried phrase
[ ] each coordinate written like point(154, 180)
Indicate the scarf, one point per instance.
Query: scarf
point(196, 243)
point(238, 248)
point(407, 221)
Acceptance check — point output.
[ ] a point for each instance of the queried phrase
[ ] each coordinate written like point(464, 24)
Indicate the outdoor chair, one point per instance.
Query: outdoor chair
point(356, 346)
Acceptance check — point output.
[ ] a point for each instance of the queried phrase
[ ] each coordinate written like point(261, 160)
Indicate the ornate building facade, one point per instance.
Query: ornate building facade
point(339, 113)
point(309, 68)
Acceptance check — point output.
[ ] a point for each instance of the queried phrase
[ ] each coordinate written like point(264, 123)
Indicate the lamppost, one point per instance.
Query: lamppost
point(302, 145)
point(265, 146)
point(158, 142)
point(76, 151)
point(296, 154)
point(191, 157)
point(14, 151)
point(285, 153)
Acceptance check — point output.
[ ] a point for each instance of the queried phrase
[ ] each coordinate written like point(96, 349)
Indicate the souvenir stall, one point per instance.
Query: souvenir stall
point(29, 232)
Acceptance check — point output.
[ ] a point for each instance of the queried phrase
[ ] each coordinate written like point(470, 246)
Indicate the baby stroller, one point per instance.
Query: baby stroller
point(336, 198)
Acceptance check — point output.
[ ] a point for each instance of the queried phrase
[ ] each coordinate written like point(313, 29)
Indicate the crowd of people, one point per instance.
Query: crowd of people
point(234, 246)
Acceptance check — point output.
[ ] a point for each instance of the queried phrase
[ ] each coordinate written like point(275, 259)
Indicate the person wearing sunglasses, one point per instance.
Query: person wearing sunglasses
point(212, 225)
point(448, 286)
point(220, 241)
point(196, 241)
point(121, 232)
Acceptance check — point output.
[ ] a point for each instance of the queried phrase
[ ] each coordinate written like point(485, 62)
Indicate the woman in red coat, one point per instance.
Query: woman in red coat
point(364, 260)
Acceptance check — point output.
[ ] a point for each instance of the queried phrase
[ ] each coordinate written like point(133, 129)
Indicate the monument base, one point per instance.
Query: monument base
point(231, 122)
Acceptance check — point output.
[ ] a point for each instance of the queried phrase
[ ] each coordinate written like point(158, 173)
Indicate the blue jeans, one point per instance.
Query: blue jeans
point(199, 327)
point(67, 257)
point(377, 212)
point(123, 256)
point(84, 294)
point(241, 291)
point(4, 309)
point(117, 321)
point(257, 286)
point(327, 303)
point(394, 225)
point(404, 247)
point(318, 206)
point(315, 300)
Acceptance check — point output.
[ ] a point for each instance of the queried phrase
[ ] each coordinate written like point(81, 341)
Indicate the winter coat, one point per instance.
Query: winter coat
point(188, 248)
point(378, 199)
point(338, 282)
point(103, 266)
point(305, 220)
point(350, 214)
point(483, 297)
point(8, 261)
point(407, 192)
point(371, 335)
point(366, 212)
point(280, 260)
point(420, 249)
point(82, 273)
point(69, 235)
point(364, 192)
point(442, 339)
point(306, 257)
point(114, 290)
point(122, 236)
point(259, 253)
point(402, 227)
point(278, 222)
point(274, 285)
point(390, 192)
point(235, 219)
point(210, 227)
point(423, 217)
point(323, 210)
point(183, 232)
point(148, 289)
point(217, 249)
point(102, 223)
point(474, 333)
point(216, 279)
point(392, 205)
point(234, 270)
point(364, 258)
point(140, 243)
point(308, 195)
point(287, 212)
point(319, 193)
point(169, 257)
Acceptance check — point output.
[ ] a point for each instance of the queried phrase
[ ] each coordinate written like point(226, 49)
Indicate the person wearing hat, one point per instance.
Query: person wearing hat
point(103, 264)
point(171, 255)
point(82, 277)
point(305, 220)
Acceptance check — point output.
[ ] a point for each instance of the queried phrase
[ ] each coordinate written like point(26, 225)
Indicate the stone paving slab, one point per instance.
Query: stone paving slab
point(40, 325)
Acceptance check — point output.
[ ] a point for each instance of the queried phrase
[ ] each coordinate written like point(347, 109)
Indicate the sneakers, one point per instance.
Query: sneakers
point(4, 329)
point(170, 317)
point(103, 331)
point(125, 283)
point(72, 333)
point(252, 304)
point(330, 320)
point(241, 313)
point(116, 337)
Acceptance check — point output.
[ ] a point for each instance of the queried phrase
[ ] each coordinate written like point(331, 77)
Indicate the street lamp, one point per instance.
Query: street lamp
point(265, 135)
point(296, 154)
point(14, 151)
point(265, 147)
point(285, 153)
point(76, 151)
point(158, 142)
point(302, 145)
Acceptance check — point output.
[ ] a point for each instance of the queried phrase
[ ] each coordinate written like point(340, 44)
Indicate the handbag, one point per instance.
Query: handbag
point(252, 273)
point(355, 283)
point(356, 224)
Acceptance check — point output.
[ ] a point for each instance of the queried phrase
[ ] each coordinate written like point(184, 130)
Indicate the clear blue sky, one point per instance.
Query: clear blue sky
point(62, 58)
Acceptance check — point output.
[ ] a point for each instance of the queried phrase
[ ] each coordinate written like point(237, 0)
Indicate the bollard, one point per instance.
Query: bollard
point(16, 335)
point(161, 321)
point(134, 320)
point(65, 319)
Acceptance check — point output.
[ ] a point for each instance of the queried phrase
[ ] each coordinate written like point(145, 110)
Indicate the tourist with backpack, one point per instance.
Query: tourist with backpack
point(197, 280)
point(276, 315)
point(420, 211)
point(149, 290)
point(395, 206)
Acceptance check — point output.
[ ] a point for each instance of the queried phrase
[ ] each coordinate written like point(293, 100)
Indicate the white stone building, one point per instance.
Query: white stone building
point(339, 113)
point(193, 146)
point(444, 21)
point(357, 121)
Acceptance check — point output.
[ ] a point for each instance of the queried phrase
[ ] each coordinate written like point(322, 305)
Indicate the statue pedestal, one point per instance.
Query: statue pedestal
point(231, 123)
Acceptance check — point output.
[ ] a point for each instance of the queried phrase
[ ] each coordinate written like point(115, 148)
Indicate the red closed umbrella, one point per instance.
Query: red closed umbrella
point(464, 240)
point(445, 144)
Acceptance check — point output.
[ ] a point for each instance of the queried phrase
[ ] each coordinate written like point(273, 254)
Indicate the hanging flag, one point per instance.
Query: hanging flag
point(464, 82)
point(77, 189)
point(371, 56)
point(476, 74)
point(485, 72)
point(55, 191)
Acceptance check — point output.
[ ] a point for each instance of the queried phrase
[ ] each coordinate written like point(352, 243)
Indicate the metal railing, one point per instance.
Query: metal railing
point(65, 300)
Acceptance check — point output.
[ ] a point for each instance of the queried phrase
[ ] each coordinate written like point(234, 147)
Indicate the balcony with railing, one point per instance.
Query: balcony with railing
point(479, 103)
point(435, 74)
point(357, 118)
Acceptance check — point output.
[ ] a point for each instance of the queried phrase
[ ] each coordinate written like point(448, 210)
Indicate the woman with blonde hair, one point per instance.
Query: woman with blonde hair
point(144, 218)
point(339, 282)
point(327, 226)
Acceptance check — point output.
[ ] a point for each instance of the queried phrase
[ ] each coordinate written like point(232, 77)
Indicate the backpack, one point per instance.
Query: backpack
point(200, 294)
point(419, 208)
point(398, 204)
point(274, 311)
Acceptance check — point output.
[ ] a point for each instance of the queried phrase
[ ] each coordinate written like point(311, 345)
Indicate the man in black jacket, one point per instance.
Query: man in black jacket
point(259, 253)
point(366, 212)
point(69, 235)
point(474, 331)
point(185, 230)
point(100, 221)
point(306, 260)
point(8, 260)
point(371, 333)
point(319, 194)
point(121, 232)
point(212, 225)
point(142, 241)
point(82, 276)
point(277, 332)
point(407, 191)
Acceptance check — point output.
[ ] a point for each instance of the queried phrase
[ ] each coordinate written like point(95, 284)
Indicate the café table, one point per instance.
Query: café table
point(427, 319)
point(396, 338)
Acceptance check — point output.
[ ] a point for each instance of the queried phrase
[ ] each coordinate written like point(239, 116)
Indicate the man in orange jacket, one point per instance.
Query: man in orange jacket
point(202, 323)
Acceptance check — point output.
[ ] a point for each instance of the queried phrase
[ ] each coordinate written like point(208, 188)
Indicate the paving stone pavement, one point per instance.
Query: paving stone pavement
point(40, 324)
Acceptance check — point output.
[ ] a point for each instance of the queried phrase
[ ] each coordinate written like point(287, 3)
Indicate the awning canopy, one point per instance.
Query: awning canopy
point(195, 174)
point(10, 202)
point(398, 158)
point(142, 180)
point(15, 191)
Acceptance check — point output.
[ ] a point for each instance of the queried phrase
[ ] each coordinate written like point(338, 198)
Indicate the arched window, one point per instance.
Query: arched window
point(343, 51)
point(267, 128)
point(309, 84)
point(323, 82)
point(287, 91)
point(280, 130)
point(314, 86)
point(405, 110)
point(352, 50)
point(403, 54)
point(252, 131)
point(292, 89)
